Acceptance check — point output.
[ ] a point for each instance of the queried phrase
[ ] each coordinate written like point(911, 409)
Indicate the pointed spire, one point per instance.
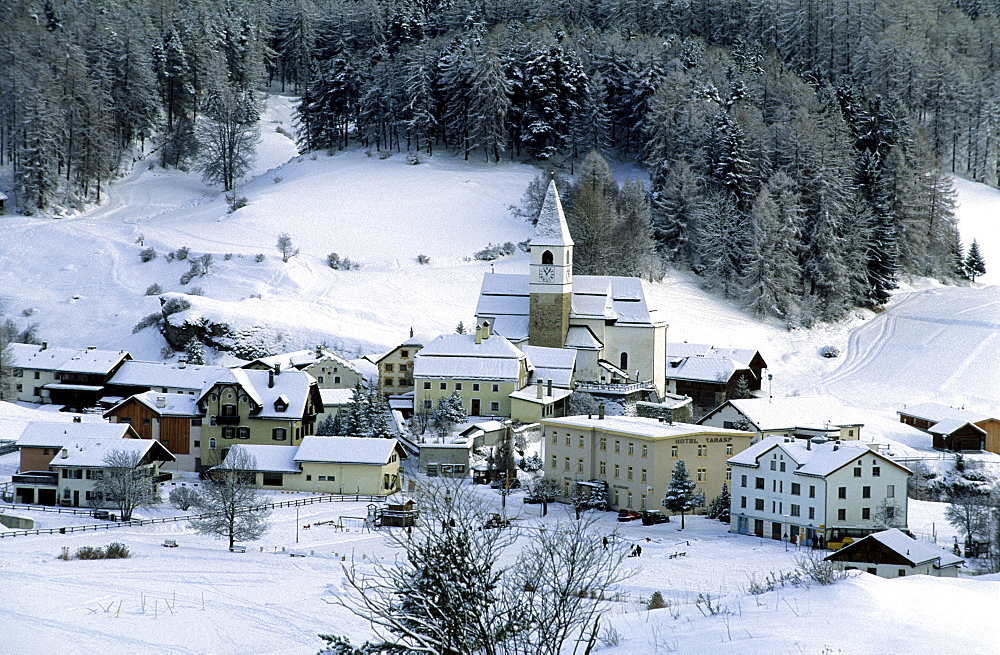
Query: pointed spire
point(551, 228)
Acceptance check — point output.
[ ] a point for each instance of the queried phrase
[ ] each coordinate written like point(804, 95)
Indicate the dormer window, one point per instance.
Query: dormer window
point(281, 403)
point(229, 410)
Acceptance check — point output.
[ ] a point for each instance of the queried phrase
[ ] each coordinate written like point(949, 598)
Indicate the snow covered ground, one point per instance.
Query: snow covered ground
point(82, 280)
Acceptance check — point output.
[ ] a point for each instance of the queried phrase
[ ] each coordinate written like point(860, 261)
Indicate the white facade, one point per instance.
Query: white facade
point(815, 493)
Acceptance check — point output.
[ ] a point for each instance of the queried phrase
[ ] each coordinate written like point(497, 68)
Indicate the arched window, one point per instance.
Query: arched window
point(624, 362)
point(211, 443)
point(547, 257)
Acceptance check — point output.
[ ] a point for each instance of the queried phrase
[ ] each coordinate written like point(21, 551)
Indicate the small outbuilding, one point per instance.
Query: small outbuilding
point(893, 554)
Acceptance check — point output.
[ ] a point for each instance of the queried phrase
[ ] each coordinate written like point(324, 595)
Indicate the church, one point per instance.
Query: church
point(620, 341)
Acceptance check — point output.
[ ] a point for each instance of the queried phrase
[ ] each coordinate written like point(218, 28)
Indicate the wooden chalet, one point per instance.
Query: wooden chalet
point(894, 554)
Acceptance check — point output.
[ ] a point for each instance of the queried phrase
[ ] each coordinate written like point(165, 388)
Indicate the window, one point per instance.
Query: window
point(729, 449)
point(628, 501)
point(428, 404)
point(629, 473)
point(579, 466)
point(842, 514)
point(19, 372)
point(618, 446)
point(320, 380)
point(902, 573)
point(228, 432)
point(842, 492)
point(443, 386)
point(555, 461)
point(812, 491)
point(386, 481)
point(388, 368)
point(195, 422)
point(617, 471)
point(242, 432)
point(271, 480)
point(197, 444)
point(211, 443)
point(857, 471)
point(743, 480)
point(567, 438)
point(547, 257)
point(876, 471)
point(623, 361)
point(796, 489)
point(702, 451)
point(37, 375)
point(475, 386)
point(496, 388)
point(458, 386)
point(743, 502)
point(774, 465)
point(796, 511)
point(403, 368)
point(278, 434)
point(555, 437)
point(388, 382)
point(866, 492)
point(890, 491)
point(702, 475)
point(566, 464)
point(404, 353)
point(645, 476)
point(494, 406)
point(774, 485)
point(673, 452)
point(336, 379)
point(890, 512)
point(866, 513)
point(631, 448)
point(604, 468)
point(581, 441)
point(759, 483)
point(645, 450)
point(603, 444)
point(229, 410)
point(782, 467)
point(145, 421)
point(729, 474)
point(427, 385)
point(758, 504)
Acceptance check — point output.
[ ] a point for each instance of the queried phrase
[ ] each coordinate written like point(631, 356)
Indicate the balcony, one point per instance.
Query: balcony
point(36, 480)
point(614, 389)
point(163, 477)
point(227, 420)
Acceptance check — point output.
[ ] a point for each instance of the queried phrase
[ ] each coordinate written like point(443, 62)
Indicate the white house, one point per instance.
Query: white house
point(62, 376)
point(81, 464)
point(893, 554)
point(815, 490)
point(794, 416)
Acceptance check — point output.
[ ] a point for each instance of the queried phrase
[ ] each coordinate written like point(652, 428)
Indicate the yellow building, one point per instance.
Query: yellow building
point(483, 368)
point(330, 369)
point(337, 465)
point(636, 456)
point(395, 368)
point(257, 407)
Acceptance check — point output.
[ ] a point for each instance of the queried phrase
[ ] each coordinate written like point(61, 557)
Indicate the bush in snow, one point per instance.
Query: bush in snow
point(175, 305)
point(412, 158)
point(182, 253)
point(813, 566)
point(384, 154)
point(147, 254)
point(334, 261)
point(183, 498)
point(235, 202)
point(495, 251)
point(196, 291)
point(524, 246)
point(170, 257)
point(285, 247)
point(154, 289)
point(228, 256)
point(531, 463)
point(259, 258)
point(423, 259)
point(656, 601)
point(114, 550)
point(829, 351)
point(148, 321)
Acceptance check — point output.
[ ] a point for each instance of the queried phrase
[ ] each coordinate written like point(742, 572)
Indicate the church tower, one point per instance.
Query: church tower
point(551, 275)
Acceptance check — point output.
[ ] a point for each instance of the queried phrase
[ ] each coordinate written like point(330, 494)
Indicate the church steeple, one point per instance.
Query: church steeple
point(551, 274)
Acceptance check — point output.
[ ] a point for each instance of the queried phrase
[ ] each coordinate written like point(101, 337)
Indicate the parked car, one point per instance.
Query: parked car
point(628, 515)
point(654, 516)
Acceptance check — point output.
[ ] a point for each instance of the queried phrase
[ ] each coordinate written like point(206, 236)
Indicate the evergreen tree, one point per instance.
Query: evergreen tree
point(682, 495)
point(975, 264)
point(591, 216)
point(450, 412)
point(328, 428)
point(676, 207)
point(194, 350)
point(720, 506)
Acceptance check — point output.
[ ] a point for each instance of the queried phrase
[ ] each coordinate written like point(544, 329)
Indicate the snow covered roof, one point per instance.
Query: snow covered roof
point(173, 404)
point(300, 359)
point(512, 326)
point(580, 337)
point(936, 412)
point(813, 459)
point(293, 385)
point(705, 369)
point(453, 356)
point(277, 459)
point(810, 412)
point(551, 228)
point(170, 375)
point(556, 364)
point(530, 394)
point(952, 425)
point(92, 452)
point(914, 551)
point(416, 341)
point(649, 427)
point(45, 434)
point(3, 196)
point(622, 299)
point(66, 360)
point(347, 450)
point(365, 367)
point(336, 397)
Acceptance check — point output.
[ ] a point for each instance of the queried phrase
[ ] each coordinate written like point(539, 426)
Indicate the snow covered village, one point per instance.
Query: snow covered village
point(371, 327)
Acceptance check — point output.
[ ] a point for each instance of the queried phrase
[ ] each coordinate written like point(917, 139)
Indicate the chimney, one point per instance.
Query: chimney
point(479, 333)
point(182, 362)
point(836, 445)
point(161, 401)
point(600, 411)
point(538, 391)
point(45, 344)
point(549, 391)
point(270, 379)
point(277, 369)
point(809, 444)
point(486, 330)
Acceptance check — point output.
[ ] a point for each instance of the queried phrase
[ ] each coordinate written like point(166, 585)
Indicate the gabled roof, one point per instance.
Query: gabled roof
point(301, 359)
point(914, 551)
point(706, 369)
point(174, 404)
point(294, 385)
point(684, 349)
point(581, 337)
point(44, 434)
point(530, 394)
point(171, 375)
point(809, 412)
point(556, 364)
point(416, 341)
point(347, 450)
point(952, 425)
point(66, 360)
point(336, 397)
point(551, 228)
point(813, 459)
point(276, 459)
point(936, 412)
point(452, 356)
point(91, 453)
point(649, 427)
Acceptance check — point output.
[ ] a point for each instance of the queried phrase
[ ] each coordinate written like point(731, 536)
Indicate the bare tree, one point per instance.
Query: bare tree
point(126, 482)
point(969, 513)
point(887, 515)
point(228, 136)
point(285, 247)
point(231, 500)
point(6, 368)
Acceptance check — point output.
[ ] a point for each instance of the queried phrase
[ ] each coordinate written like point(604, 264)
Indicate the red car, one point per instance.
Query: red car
point(628, 515)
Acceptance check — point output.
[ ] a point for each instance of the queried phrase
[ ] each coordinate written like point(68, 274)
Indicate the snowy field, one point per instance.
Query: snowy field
point(81, 280)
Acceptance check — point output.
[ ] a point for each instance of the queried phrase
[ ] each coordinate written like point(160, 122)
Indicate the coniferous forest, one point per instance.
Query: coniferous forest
point(797, 150)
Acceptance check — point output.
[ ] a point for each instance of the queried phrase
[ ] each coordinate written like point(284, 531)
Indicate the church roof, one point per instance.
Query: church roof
point(551, 228)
